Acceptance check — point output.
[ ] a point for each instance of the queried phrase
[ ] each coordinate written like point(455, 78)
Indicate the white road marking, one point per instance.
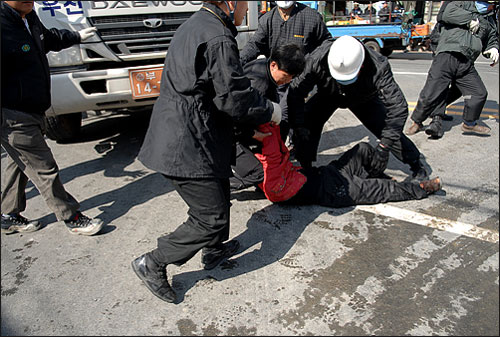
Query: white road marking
point(409, 73)
point(433, 222)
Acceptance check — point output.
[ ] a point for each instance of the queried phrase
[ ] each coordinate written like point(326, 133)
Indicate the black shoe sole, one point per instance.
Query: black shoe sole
point(139, 275)
point(434, 134)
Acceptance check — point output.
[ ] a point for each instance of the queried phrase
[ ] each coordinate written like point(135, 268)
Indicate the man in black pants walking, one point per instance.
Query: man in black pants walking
point(190, 138)
point(468, 28)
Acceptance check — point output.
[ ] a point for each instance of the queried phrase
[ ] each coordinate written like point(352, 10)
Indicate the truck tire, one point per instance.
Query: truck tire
point(372, 45)
point(63, 128)
point(386, 51)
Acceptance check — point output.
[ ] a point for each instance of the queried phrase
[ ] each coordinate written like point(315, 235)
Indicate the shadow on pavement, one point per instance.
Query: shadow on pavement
point(411, 56)
point(274, 229)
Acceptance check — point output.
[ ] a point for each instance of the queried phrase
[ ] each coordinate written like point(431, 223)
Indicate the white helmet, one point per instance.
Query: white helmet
point(345, 58)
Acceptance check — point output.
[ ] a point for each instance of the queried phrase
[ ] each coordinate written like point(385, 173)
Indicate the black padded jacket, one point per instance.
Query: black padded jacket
point(24, 65)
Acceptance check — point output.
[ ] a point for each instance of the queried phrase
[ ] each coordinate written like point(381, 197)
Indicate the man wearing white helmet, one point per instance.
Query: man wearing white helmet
point(349, 75)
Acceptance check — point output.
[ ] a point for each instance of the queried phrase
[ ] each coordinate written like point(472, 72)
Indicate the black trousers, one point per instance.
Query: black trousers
point(372, 114)
point(247, 170)
point(449, 72)
point(207, 225)
point(345, 182)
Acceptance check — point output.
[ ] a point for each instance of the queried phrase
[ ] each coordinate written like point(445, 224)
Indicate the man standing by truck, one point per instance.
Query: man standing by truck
point(25, 98)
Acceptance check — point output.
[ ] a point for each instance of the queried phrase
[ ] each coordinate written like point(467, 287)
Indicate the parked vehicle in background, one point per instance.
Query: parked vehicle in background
point(120, 68)
point(403, 29)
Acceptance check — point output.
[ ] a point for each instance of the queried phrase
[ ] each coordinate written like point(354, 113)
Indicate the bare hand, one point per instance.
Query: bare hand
point(259, 136)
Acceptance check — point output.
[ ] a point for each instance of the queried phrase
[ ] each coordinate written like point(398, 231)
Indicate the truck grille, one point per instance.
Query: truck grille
point(138, 34)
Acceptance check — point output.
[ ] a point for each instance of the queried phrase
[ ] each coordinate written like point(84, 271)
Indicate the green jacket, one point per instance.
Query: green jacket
point(455, 34)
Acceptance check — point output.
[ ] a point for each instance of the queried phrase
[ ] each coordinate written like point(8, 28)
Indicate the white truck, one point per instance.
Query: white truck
point(120, 67)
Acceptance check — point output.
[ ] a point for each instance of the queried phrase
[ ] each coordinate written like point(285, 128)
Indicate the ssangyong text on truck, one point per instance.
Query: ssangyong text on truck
point(120, 67)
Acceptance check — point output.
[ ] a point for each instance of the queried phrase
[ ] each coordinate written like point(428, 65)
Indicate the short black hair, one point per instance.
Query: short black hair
point(290, 58)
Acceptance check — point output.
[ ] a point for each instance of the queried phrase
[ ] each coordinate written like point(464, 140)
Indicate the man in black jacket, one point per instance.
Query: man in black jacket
point(25, 98)
point(190, 138)
point(288, 22)
point(384, 13)
point(266, 76)
point(349, 75)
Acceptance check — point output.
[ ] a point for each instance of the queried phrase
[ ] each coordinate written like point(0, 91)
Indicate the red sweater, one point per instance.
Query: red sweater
point(282, 180)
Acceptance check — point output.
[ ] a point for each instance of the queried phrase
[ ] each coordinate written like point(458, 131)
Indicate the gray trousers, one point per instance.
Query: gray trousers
point(29, 157)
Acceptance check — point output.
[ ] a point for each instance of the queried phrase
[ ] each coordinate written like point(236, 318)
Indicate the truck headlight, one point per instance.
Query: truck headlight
point(71, 56)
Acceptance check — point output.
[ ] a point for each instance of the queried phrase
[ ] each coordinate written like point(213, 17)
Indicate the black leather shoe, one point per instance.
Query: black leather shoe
point(154, 277)
point(435, 129)
point(211, 257)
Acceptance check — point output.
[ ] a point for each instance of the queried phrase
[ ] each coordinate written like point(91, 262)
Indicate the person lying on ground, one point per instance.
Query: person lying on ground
point(344, 182)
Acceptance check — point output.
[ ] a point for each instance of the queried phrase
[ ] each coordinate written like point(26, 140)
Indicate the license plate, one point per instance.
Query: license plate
point(145, 83)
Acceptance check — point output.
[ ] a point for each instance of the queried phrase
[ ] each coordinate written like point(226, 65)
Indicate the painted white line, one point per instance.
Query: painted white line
point(408, 73)
point(432, 222)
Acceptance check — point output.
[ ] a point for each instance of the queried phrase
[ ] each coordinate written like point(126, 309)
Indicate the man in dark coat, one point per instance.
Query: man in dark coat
point(190, 138)
point(25, 98)
point(349, 75)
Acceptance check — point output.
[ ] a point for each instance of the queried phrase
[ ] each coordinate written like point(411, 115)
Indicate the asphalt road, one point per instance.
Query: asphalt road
point(427, 267)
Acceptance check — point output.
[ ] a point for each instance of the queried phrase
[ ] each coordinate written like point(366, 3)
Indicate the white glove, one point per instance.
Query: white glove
point(87, 33)
point(493, 55)
point(474, 26)
point(276, 118)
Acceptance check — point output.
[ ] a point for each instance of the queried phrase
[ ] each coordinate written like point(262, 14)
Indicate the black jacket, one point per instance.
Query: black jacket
point(375, 82)
point(24, 65)
point(260, 76)
point(384, 14)
point(203, 93)
point(305, 27)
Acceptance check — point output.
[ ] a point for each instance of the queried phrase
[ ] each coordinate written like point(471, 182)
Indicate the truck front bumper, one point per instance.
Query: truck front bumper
point(96, 90)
